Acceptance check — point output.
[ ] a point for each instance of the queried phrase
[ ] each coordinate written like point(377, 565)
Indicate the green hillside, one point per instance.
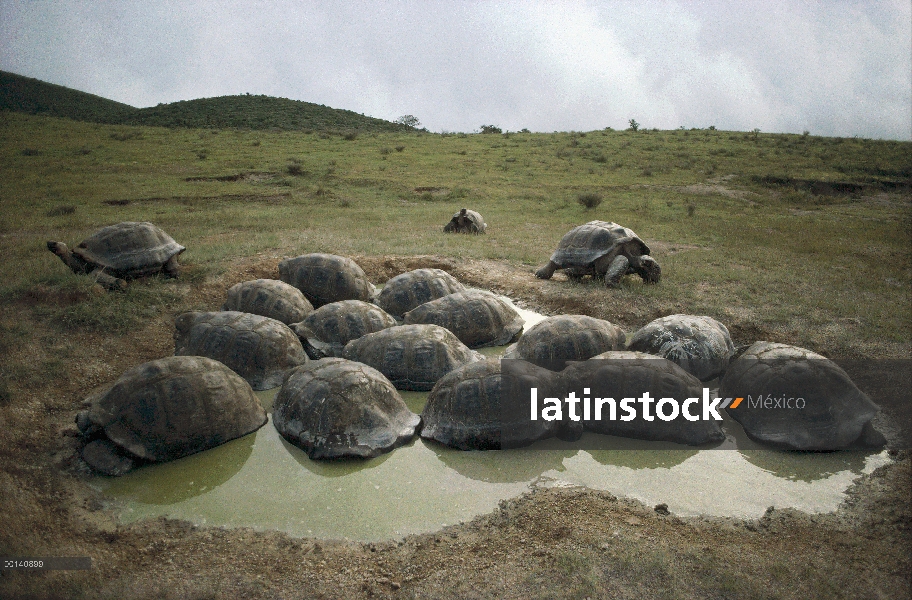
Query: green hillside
point(32, 96)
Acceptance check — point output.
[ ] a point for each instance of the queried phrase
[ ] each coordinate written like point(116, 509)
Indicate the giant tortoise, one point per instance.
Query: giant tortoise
point(326, 278)
point(325, 331)
point(412, 357)
point(465, 221)
point(165, 409)
point(408, 290)
point(257, 348)
point(797, 399)
point(270, 298)
point(602, 249)
point(123, 251)
point(699, 344)
point(338, 408)
point(477, 317)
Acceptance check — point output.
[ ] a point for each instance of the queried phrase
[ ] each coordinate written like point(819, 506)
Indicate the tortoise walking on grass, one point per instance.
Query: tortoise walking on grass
point(123, 251)
point(165, 409)
point(466, 221)
point(602, 249)
point(338, 408)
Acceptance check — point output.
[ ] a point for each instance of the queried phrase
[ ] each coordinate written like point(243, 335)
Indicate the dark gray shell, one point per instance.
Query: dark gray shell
point(336, 408)
point(259, 349)
point(129, 249)
point(325, 331)
point(464, 410)
point(165, 409)
point(583, 245)
point(626, 374)
point(567, 337)
point(412, 357)
point(701, 345)
point(478, 318)
point(270, 298)
point(466, 221)
point(404, 292)
point(835, 414)
point(326, 278)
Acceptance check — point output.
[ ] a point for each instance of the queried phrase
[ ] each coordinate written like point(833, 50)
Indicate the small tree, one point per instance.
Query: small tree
point(634, 126)
point(409, 121)
point(491, 129)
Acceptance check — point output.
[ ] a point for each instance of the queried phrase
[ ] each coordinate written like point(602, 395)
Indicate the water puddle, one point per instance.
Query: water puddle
point(262, 481)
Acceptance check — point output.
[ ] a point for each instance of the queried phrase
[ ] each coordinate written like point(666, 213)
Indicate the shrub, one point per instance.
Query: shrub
point(59, 211)
point(634, 126)
point(351, 135)
point(384, 151)
point(589, 199)
point(400, 148)
point(491, 129)
point(294, 170)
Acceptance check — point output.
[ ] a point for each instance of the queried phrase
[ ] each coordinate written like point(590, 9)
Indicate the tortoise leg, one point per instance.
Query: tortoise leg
point(76, 264)
point(547, 271)
point(171, 268)
point(108, 281)
point(616, 270)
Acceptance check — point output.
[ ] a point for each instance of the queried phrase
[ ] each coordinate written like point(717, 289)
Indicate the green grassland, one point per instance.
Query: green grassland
point(804, 237)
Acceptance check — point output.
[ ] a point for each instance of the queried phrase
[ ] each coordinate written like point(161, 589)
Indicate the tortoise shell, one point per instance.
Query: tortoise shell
point(771, 378)
point(165, 409)
point(556, 339)
point(478, 318)
point(129, 249)
point(465, 411)
point(412, 357)
point(270, 298)
point(404, 292)
point(336, 408)
point(699, 344)
point(326, 278)
point(626, 374)
point(325, 331)
point(583, 245)
point(257, 348)
point(466, 221)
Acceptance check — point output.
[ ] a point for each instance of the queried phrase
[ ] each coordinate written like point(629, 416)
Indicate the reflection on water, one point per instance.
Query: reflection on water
point(262, 481)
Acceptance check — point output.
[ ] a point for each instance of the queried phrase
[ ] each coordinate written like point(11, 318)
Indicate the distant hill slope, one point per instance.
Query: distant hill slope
point(24, 94)
point(33, 96)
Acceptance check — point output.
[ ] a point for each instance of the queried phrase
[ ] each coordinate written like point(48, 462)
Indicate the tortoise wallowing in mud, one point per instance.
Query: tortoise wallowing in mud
point(120, 252)
point(165, 409)
point(326, 278)
point(602, 249)
point(338, 408)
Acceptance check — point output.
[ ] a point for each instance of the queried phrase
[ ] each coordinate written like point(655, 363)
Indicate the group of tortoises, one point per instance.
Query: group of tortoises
point(341, 351)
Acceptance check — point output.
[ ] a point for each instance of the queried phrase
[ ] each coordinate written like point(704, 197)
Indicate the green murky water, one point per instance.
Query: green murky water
point(261, 481)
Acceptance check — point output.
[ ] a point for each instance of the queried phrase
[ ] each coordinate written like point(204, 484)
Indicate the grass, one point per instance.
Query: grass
point(814, 232)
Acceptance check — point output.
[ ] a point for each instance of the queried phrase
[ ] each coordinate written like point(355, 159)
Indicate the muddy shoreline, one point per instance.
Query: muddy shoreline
point(548, 543)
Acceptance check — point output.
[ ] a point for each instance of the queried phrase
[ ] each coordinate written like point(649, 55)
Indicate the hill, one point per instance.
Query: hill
point(33, 96)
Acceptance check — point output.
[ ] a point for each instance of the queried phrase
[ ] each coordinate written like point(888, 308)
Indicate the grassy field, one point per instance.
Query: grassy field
point(783, 232)
point(790, 238)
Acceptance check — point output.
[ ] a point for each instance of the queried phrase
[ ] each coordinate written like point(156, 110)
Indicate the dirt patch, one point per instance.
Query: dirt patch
point(253, 177)
point(549, 543)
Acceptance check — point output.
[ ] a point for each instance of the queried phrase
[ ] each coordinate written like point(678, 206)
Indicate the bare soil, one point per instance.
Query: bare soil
point(571, 543)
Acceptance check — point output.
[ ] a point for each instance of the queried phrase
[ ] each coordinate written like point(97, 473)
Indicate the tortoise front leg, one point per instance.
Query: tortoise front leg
point(108, 281)
point(547, 271)
point(616, 270)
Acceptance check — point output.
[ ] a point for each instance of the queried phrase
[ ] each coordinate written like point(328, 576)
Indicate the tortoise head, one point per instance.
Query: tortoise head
point(647, 268)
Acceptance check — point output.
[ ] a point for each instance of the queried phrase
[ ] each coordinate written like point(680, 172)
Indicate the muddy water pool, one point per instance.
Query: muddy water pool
point(262, 481)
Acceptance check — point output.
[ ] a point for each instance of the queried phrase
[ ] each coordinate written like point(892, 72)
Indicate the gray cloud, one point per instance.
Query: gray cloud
point(833, 68)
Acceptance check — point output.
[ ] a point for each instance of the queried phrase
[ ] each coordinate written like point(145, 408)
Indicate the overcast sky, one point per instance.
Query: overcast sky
point(838, 68)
